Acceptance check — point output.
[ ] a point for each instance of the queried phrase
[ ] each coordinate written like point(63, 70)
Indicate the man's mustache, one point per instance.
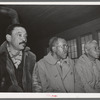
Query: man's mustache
point(23, 42)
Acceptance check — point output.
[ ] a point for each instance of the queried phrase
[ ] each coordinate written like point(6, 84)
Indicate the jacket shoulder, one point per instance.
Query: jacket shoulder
point(80, 64)
point(80, 61)
point(42, 64)
point(70, 61)
point(32, 55)
point(41, 61)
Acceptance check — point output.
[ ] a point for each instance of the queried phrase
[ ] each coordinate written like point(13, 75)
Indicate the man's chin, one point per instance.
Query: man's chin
point(97, 57)
point(64, 57)
point(22, 48)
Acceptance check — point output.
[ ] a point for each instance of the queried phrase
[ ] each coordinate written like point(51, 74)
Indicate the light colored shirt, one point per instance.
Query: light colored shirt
point(17, 58)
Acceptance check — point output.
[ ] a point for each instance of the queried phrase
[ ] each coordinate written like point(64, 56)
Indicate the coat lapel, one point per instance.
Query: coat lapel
point(54, 69)
point(88, 63)
point(58, 77)
point(11, 71)
point(24, 73)
point(66, 69)
point(88, 68)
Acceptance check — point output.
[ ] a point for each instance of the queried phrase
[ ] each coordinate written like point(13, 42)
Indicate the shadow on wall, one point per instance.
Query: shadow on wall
point(99, 57)
point(10, 16)
point(7, 16)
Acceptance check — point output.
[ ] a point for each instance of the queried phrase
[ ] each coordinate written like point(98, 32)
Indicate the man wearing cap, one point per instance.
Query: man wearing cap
point(88, 69)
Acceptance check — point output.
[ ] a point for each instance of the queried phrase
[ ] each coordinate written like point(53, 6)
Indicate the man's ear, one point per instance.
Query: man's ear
point(54, 49)
point(86, 50)
point(8, 37)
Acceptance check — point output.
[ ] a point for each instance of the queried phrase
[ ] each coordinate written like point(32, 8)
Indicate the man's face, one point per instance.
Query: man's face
point(18, 38)
point(94, 51)
point(61, 49)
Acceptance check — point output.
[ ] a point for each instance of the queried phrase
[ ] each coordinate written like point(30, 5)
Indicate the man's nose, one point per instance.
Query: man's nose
point(66, 50)
point(24, 39)
point(99, 49)
point(99, 52)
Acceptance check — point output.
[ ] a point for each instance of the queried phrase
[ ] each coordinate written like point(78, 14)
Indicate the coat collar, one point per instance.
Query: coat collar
point(86, 59)
point(88, 62)
point(3, 48)
point(51, 60)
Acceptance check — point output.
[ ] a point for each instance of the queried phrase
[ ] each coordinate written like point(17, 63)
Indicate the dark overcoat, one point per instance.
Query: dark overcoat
point(7, 72)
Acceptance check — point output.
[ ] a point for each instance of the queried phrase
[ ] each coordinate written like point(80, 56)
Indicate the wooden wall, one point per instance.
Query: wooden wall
point(76, 32)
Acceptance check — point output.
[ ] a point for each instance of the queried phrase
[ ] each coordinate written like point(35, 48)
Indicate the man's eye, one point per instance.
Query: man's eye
point(25, 36)
point(20, 35)
point(96, 48)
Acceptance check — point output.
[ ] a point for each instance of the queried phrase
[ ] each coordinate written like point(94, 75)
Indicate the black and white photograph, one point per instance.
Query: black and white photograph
point(50, 49)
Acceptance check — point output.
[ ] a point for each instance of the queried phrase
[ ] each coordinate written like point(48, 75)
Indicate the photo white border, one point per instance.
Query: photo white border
point(50, 3)
point(49, 95)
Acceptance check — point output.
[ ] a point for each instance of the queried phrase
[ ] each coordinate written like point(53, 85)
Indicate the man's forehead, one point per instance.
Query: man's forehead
point(19, 29)
point(92, 45)
point(62, 41)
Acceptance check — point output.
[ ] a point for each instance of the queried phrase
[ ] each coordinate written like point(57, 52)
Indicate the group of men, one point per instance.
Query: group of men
point(55, 72)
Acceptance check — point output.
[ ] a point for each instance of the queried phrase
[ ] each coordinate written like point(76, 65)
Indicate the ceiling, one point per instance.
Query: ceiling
point(45, 21)
point(48, 20)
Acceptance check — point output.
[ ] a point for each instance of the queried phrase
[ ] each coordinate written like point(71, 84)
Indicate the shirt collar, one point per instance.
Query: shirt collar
point(12, 55)
point(51, 60)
